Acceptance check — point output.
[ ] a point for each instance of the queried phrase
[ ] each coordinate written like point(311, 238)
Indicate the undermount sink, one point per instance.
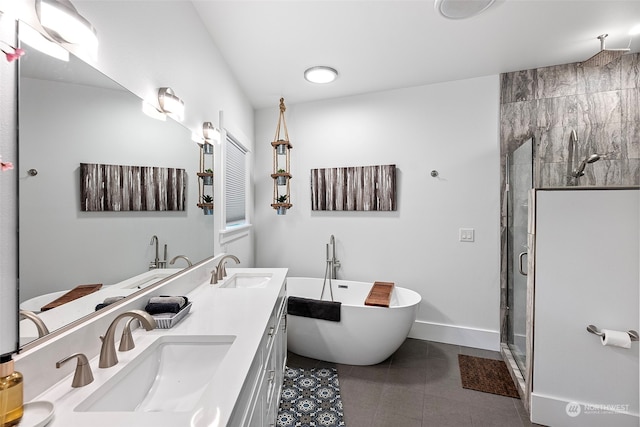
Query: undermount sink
point(246, 280)
point(168, 376)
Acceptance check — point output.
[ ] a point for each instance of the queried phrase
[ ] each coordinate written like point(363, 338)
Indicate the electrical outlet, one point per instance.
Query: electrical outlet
point(467, 234)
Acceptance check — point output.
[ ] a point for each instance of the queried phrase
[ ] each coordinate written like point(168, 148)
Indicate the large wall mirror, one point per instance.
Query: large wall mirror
point(69, 113)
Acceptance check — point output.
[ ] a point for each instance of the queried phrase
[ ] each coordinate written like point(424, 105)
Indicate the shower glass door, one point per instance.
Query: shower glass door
point(520, 181)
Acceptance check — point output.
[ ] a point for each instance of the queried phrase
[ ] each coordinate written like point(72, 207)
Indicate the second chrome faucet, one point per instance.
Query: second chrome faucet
point(220, 271)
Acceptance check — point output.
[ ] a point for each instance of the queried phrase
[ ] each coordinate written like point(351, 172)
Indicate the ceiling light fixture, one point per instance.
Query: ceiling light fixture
point(320, 74)
point(635, 30)
point(462, 9)
point(170, 104)
point(64, 24)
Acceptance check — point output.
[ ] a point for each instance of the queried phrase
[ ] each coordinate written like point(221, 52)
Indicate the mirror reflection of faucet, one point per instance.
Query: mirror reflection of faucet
point(156, 263)
point(184, 257)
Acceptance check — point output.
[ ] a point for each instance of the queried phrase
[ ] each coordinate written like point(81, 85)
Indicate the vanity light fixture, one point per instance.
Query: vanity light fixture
point(170, 104)
point(39, 42)
point(153, 112)
point(209, 132)
point(320, 74)
point(462, 9)
point(64, 24)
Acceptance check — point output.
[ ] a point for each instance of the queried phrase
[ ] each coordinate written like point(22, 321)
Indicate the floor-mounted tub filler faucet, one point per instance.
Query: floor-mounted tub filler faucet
point(332, 262)
point(332, 265)
point(156, 262)
point(108, 357)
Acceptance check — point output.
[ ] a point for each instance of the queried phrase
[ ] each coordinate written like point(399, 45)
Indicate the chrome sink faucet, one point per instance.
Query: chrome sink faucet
point(173, 260)
point(221, 271)
point(83, 374)
point(40, 326)
point(108, 357)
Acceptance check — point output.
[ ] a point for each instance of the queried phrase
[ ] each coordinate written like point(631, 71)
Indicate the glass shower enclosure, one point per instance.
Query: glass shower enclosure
point(519, 180)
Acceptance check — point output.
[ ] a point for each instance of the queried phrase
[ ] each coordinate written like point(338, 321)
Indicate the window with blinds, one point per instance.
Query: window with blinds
point(235, 183)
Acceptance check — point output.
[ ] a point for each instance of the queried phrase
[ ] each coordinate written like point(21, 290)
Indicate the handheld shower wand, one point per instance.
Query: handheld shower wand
point(579, 171)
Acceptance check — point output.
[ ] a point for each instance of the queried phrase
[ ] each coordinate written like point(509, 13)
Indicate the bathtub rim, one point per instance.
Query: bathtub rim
point(415, 297)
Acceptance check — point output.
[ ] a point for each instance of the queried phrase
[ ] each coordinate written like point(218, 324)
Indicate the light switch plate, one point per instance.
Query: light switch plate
point(467, 234)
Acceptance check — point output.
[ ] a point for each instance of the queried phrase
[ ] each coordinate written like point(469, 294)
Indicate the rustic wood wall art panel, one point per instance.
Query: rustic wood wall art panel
point(131, 188)
point(361, 188)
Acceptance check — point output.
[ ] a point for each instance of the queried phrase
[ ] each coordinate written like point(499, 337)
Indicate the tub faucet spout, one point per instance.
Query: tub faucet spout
point(333, 263)
point(156, 262)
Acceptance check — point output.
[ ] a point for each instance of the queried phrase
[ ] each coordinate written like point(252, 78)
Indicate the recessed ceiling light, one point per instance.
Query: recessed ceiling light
point(320, 74)
point(462, 9)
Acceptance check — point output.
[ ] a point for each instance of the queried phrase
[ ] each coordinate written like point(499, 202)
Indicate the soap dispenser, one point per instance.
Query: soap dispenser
point(11, 408)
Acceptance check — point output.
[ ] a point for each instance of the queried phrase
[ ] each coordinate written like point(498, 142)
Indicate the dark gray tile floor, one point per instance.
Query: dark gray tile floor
point(419, 386)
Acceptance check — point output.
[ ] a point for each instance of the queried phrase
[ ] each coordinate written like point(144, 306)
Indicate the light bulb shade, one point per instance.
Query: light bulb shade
point(153, 112)
point(461, 9)
point(65, 25)
point(320, 74)
point(39, 42)
point(170, 104)
point(208, 131)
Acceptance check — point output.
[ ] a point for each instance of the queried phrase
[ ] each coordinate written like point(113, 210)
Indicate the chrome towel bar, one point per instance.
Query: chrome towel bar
point(594, 330)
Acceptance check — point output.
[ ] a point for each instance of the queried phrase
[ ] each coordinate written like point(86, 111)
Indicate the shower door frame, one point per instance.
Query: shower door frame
point(520, 374)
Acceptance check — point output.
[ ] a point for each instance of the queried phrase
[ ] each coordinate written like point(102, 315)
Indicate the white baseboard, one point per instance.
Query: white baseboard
point(553, 411)
point(457, 335)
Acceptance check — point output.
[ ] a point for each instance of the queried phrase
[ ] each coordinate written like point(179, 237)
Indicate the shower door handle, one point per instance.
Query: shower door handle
point(522, 254)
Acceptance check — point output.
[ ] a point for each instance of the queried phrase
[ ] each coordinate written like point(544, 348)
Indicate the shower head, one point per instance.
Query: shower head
point(579, 171)
point(593, 158)
point(605, 56)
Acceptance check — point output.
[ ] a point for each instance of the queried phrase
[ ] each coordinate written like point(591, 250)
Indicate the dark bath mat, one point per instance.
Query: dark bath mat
point(486, 375)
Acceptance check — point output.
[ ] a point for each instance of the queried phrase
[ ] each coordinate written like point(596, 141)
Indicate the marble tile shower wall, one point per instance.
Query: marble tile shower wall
point(601, 104)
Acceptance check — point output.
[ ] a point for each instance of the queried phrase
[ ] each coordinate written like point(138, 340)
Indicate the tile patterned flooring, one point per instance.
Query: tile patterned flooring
point(419, 386)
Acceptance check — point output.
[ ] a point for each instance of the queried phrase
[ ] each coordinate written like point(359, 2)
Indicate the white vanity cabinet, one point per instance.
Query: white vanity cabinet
point(260, 395)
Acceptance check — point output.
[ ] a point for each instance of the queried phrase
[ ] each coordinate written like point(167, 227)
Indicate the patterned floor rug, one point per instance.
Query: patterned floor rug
point(487, 375)
point(311, 398)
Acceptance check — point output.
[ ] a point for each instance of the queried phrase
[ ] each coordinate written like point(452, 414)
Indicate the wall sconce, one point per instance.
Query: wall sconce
point(39, 42)
point(153, 112)
point(209, 131)
point(170, 104)
point(64, 24)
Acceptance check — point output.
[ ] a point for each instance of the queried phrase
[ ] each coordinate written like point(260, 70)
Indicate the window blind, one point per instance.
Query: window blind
point(235, 183)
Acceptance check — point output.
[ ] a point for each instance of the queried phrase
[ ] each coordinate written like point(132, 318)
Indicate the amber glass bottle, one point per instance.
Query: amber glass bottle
point(11, 408)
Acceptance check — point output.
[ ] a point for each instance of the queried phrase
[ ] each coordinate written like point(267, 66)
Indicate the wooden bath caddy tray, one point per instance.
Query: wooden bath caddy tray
point(75, 293)
point(380, 294)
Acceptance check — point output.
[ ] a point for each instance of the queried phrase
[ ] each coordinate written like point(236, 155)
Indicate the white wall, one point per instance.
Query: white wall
point(451, 128)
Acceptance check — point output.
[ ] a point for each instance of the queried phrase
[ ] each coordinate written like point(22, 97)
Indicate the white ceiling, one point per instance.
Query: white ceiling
point(387, 44)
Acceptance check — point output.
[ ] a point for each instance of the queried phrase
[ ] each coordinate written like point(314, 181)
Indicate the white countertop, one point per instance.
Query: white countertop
point(243, 313)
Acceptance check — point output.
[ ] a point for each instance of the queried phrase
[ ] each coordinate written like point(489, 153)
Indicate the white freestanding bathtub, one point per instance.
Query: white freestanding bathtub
point(365, 335)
